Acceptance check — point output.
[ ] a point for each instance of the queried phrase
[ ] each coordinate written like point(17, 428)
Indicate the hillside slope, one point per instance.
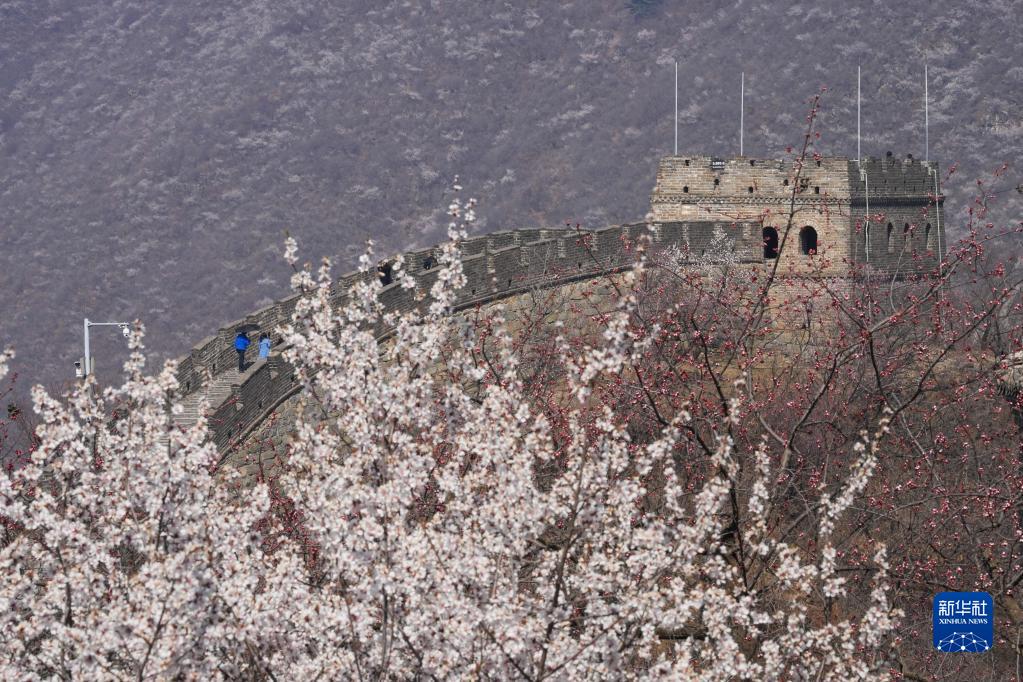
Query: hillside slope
point(152, 154)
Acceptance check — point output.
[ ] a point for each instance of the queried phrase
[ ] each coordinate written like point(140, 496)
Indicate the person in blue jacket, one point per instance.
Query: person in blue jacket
point(264, 346)
point(241, 342)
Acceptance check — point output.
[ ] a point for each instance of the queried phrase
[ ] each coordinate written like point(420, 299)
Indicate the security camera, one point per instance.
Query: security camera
point(125, 331)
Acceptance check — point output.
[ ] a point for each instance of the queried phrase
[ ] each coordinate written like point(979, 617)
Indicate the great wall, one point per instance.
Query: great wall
point(694, 199)
point(496, 266)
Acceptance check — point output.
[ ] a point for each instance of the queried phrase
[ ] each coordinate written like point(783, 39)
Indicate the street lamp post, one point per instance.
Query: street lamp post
point(87, 360)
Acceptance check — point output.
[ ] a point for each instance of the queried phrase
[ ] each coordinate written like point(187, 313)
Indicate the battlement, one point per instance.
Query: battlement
point(496, 266)
point(893, 180)
point(690, 179)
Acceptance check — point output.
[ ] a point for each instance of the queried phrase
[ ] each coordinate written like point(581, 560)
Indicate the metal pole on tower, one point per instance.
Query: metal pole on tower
point(742, 108)
point(866, 223)
point(676, 107)
point(927, 122)
point(859, 157)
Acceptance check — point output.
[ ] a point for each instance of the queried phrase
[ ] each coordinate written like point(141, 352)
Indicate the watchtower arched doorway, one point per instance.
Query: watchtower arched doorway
point(808, 240)
point(770, 243)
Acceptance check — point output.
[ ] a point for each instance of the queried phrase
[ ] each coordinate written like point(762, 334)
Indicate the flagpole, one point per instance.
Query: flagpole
point(859, 157)
point(742, 112)
point(927, 122)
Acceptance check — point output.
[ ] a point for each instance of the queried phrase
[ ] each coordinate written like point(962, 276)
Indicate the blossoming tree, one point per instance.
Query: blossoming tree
point(124, 556)
point(684, 484)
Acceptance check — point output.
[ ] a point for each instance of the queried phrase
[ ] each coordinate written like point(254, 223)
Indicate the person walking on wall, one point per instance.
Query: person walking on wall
point(264, 346)
point(241, 342)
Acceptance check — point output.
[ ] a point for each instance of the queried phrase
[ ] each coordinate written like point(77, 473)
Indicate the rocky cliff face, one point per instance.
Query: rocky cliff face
point(151, 154)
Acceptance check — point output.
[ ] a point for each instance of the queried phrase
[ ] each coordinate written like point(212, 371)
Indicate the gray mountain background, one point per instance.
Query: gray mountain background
point(152, 154)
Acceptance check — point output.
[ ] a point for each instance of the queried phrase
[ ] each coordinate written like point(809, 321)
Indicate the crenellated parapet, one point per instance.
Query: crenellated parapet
point(893, 181)
point(496, 266)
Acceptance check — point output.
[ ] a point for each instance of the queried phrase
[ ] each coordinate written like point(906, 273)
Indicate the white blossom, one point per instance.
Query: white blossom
point(438, 553)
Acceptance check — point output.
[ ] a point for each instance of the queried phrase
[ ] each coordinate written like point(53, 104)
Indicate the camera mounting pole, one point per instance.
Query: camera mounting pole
point(87, 360)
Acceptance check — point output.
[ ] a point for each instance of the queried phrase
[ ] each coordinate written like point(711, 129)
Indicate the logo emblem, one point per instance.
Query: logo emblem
point(964, 622)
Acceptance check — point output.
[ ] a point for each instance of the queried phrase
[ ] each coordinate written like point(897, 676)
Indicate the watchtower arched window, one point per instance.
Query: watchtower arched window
point(808, 240)
point(891, 240)
point(770, 242)
point(928, 237)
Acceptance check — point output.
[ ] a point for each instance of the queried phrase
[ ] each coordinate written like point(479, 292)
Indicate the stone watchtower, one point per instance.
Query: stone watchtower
point(833, 197)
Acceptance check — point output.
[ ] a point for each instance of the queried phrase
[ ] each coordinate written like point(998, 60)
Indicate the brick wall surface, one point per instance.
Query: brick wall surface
point(904, 231)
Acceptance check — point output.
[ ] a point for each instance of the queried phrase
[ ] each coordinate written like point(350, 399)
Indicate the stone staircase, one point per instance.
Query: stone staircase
point(215, 393)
